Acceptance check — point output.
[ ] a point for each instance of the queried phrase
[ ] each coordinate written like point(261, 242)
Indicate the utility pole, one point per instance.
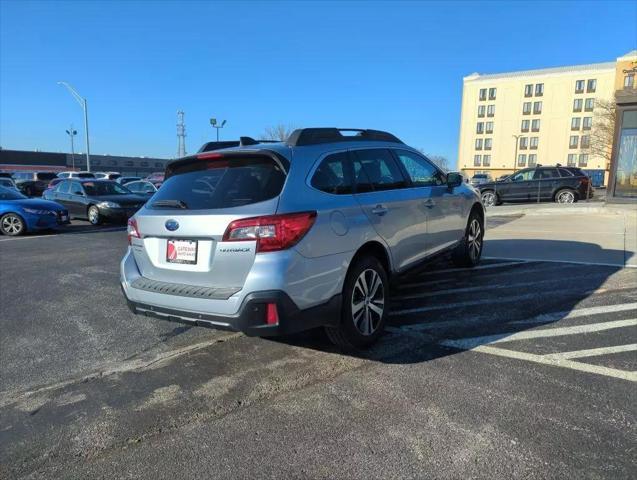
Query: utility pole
point(82, 101)
point(71, 133)
point(213, 122)
point(181, 135)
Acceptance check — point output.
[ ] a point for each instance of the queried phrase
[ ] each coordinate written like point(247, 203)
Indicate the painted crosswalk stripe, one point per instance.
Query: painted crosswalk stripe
point(543, 318)
point(473, 342)
point(594, 352)
point(514, 298)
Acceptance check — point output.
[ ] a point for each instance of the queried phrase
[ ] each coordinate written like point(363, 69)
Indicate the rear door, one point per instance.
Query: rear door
point(76, 199)
point(549, 180)
point(182, 227)
point(395, 212)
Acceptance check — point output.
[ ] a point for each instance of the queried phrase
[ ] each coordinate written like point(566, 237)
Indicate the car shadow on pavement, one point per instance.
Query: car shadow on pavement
point(440, 305)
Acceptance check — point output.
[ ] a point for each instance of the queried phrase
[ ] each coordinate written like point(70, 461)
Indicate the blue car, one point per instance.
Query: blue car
point(20, 214)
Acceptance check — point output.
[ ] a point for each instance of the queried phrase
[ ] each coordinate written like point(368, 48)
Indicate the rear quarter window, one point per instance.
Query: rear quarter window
point(222, 183)
point(334, 175)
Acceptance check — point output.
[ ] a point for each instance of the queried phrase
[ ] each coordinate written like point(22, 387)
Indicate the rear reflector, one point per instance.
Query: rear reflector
point(272, 232)
point(272, 314)
point(133, 230)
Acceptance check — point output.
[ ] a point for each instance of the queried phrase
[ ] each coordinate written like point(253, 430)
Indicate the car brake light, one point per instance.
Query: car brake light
point(272, 314)
point(133, 230)
point(272, 232)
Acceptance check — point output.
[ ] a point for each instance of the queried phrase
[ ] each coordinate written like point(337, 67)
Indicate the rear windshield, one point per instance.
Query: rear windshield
point(222, 183)
point(46, 176)
point(104, 188)
point(85, 175)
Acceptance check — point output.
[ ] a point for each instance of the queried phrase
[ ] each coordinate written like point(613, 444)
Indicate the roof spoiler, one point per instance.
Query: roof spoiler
point(316, 136)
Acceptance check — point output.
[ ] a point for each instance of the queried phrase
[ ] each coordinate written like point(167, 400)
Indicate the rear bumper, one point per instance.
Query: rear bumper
point(251, 317)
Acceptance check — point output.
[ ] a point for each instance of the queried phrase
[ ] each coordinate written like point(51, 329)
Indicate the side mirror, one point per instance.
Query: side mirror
point(454, 179)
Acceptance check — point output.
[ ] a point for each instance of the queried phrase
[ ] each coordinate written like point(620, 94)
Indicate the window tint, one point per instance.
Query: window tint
point(334, 175)
point(421, 172)
point(565, 173)
point(544, 173)
point(523, 176)
point(375, 169)
point(63, 187)
point(45, 176)
point(76, 189)
point(223, 183)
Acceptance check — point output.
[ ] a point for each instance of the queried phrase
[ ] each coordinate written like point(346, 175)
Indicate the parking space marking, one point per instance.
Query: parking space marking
point(480, 288)
point(556, 362)
point(472, 342)
point(479, 267)
point(542, 318)
point(57, 235)
point(594, 352)
point(573, 262)
point(515, 298)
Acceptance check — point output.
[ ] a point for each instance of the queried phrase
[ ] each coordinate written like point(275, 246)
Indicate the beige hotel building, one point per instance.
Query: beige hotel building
point(515, 120)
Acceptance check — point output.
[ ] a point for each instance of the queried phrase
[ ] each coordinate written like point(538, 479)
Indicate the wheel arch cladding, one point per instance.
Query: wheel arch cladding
point(477, 208)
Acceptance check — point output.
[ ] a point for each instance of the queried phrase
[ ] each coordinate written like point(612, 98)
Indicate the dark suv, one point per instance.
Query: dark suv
point(538, 184)
point(33, 184)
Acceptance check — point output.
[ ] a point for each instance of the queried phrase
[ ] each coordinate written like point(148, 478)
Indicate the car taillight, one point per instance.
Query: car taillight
point(272, 232)
point(272, 314)
point(133, 231)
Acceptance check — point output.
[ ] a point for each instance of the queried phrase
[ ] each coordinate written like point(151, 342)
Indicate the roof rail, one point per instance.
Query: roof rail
point(246, 141)
point(315, 136)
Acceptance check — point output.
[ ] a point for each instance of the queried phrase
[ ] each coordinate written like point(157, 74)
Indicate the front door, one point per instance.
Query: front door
point(76, 200)
point(518, 187)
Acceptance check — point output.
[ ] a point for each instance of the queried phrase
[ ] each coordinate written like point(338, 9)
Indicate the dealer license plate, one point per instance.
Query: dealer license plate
point(181, 251)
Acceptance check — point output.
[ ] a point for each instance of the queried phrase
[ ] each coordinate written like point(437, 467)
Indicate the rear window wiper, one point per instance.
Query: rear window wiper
point(169, 204)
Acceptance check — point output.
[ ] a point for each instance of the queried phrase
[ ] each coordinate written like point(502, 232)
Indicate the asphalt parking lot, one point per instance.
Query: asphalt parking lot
point(515, 369)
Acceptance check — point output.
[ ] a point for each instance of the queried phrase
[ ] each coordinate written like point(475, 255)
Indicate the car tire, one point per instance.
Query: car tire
point(94, 215)
point(565, 195)
point(469, 251)
point(490, 198)
point(361, 323)
point(12, 224)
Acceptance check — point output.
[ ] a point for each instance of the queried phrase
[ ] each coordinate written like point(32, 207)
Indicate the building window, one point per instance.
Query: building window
point(588, 123)
point(522, 160)
point(129, 163)
point(629, 81)
point(490, 110)
point(487, 143)
point(483, 94)
point(589, 105)
point(532, 160)
point(144, 164)
point(591, 86)
point(573, 141)
point(525, 126)
point(528, 90)
point(492, 92)
point(583, 160)
point(478, 144)
point(534, 142)
point(477, 160)
point(159, 164)
point(113, 163)
point(577, 105)
point(524, 143)
point(481, 111)
point(535, 125)
point(526, 108)
point(539, 89)
point(480, 127)
point(585, 141)
point(572, 159)
point(489, 127)
point(575, 122)
point(579, 86)
point(95, 162)
point(486, 160)
point(537, 108)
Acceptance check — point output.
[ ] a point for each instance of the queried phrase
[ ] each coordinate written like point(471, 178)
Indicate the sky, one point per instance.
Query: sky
point(395, 66)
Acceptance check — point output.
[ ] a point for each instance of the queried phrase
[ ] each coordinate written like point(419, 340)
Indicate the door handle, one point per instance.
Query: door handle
point(429, 203)
point(379, 210)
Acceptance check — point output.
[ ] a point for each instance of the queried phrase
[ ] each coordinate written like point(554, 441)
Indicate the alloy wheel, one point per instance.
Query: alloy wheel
point(93, 215)
point(488, 199)
point(566, 197)
point(368, 302)
point(474, 239)
point(12, 224)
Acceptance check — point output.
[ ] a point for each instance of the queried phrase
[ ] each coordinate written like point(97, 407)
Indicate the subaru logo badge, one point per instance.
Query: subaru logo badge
point(172, 225)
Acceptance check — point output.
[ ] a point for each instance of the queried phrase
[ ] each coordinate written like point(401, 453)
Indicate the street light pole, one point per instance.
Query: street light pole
point(84, 105)
point(515, 158)
point(213, 122)
point(71, 133)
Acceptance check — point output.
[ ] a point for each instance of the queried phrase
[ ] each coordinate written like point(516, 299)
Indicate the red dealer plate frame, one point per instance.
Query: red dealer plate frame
point(180, 251)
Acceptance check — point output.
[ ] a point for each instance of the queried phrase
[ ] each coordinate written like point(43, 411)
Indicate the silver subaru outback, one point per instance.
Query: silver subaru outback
point(275, 238)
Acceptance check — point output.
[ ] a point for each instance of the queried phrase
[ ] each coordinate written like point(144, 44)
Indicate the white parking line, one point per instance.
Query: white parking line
point(479, 288)
point(490, 301)
point(479, 267)
point(594, 352)
point(473, 342)
point(543, 318)
point(602, 264)
point(58, 235)
point(558, 362)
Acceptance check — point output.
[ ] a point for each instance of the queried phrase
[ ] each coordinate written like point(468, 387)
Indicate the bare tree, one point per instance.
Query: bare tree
point(278, 132)
point(440, 161)
point(603, 129)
